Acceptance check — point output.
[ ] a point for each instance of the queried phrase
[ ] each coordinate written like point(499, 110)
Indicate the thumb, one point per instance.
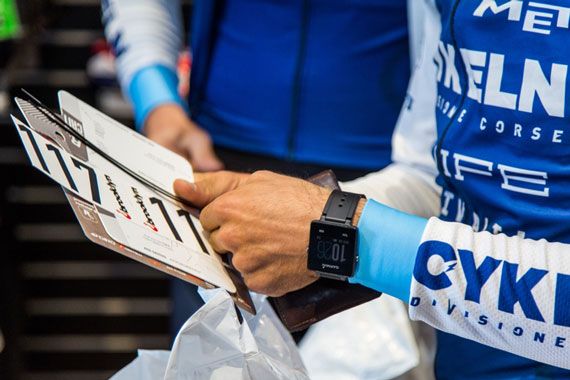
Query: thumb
point(208, 187)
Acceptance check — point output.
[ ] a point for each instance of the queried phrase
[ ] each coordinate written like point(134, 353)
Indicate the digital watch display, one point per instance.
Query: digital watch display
point(333, 248)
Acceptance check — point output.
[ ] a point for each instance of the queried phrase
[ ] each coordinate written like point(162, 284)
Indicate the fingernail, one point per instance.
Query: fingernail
point(181, 183)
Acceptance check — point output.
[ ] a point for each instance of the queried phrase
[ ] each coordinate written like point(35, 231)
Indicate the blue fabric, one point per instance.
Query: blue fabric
point(388, 241)
point(150, 87)
point(505, 158)
point(316, 81)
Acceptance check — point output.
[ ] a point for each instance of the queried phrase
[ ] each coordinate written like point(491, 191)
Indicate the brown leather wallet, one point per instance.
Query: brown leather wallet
point(325, 297)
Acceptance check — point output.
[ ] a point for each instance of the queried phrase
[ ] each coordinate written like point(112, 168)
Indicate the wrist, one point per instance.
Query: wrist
point(167, 115)
point(388, 243)
point(358, 212)
point(151, 87)
point(333, 240)
point(318, 207)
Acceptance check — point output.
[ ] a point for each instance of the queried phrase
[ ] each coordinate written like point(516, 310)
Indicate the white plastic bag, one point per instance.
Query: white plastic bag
point(371, 341)
point(213, 344)
point(149, 365)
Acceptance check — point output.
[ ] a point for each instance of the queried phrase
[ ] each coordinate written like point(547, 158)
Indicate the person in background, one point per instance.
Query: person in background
point(294, 86)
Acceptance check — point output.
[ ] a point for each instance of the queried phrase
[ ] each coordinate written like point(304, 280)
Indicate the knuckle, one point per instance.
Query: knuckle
point(244, 263)
point(205, 215)
point(224, 203)
point(261, 174)
point(220, 199)
point(215, 245)
point(256, 284)
point(228, 206)
point(227, 239)
point(217, 207)
point(241, 263)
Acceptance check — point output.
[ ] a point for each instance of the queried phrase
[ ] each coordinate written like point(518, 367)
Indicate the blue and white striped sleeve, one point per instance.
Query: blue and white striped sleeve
point(146, 36)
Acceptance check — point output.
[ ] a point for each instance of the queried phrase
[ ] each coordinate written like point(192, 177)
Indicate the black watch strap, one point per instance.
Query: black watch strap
point(341, 207)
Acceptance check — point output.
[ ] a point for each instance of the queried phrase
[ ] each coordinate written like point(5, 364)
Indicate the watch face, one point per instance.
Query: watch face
point(332, 248)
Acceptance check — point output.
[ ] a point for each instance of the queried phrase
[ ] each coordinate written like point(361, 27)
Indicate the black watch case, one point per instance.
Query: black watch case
point(333, 249)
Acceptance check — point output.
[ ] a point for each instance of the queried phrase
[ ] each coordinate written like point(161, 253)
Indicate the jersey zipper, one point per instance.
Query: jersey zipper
point(469, 209)
point(441, 138)
point(297, 80)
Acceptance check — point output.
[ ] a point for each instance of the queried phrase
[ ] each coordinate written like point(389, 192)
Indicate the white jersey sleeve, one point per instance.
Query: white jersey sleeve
point(143, 33)
point(510, 293)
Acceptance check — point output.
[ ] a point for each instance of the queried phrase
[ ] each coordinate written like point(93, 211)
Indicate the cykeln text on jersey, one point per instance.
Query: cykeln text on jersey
point(540, 82)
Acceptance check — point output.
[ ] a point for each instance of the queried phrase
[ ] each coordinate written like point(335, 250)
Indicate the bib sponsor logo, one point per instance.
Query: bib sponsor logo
point(139, 199)
point(113, 188)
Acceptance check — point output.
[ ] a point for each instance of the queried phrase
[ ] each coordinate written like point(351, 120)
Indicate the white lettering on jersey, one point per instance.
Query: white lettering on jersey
point(512, 175)
point(518, 180)
point(474, 62)
point(552, 93)
point(539, 18)
point(475, 166)
point(514, 7)
point(485, 77)
point(451, 75)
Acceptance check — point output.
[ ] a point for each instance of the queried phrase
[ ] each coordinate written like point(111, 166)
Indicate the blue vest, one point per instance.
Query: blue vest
point(503, 113)
point(316, 81)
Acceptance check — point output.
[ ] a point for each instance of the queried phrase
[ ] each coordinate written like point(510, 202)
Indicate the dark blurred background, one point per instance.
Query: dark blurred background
point(68, 309)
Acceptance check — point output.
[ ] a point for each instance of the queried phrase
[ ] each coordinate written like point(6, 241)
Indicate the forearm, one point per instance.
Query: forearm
point(151, 87)
point(146, 37)
point(388, 240)
point(399, 188)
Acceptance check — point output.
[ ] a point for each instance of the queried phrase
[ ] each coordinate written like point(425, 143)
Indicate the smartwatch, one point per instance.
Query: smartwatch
point(333, 241)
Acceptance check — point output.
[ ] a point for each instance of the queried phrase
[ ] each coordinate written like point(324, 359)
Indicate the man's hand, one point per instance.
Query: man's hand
point(169, 126)
point(208, 186)
point(264, 220)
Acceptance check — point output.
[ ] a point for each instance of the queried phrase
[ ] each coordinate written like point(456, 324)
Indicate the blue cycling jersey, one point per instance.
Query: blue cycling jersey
point(307, 80)
point(498, 295)
point(503, 149)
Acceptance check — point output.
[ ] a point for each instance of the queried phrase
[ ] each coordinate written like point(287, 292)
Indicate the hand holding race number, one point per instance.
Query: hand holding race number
point(169, 126)
point(264, 220)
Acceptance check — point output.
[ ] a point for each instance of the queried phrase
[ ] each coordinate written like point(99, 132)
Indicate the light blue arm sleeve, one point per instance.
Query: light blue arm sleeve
point(146, 36)
point(388, 241)
point(151, 87)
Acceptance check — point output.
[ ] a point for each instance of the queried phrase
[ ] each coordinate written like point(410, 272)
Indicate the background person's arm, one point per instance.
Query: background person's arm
point(146, 36)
